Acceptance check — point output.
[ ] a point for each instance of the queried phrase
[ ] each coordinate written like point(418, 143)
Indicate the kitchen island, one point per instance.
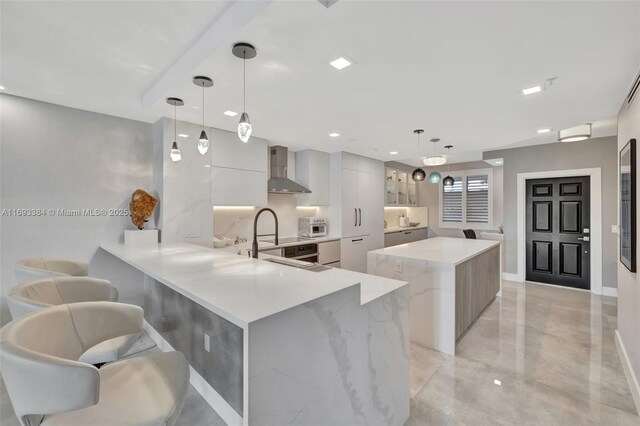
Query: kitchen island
point(451, 281)
point(274, 344)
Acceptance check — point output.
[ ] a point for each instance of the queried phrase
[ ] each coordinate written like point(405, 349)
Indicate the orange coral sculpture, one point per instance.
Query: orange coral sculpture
point(141, 207)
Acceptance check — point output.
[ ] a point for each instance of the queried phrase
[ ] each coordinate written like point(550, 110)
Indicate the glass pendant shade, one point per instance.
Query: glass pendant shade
point(448, 181)
point(436, 160)
point(175, 152)
point(203, 143)
point(244, 128)
point(418, 175)
point(435, 177)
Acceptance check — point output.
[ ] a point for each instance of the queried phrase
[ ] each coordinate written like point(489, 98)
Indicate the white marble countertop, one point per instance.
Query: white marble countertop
point(440, 249)
point(239, 288)
point(390, 229)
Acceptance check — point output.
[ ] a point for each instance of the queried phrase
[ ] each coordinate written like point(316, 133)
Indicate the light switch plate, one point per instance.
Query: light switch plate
point(614, 229)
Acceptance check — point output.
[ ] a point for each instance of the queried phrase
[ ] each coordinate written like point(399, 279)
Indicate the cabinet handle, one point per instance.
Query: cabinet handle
point(355, 212)
point(360, 223)
point(355, 241)
point(407, 233)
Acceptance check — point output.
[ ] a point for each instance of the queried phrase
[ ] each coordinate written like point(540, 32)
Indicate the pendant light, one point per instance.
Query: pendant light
point(435, 159)
point(203, 140)
point(448, 181)
point(244, 51)
point(175, 151)
point(418, 174)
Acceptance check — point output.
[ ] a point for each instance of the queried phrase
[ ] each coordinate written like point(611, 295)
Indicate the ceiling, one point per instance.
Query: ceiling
point(455, 69)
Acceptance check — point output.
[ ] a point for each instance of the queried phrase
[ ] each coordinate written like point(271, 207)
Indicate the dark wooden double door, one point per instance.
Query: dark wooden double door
point(558, 231)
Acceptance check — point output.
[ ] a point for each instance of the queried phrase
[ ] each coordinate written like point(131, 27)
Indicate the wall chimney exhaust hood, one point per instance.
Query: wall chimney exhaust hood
point(279, 183)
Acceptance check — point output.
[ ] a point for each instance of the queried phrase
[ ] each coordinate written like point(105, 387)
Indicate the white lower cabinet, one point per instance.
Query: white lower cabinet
point(329, 252)
point(354, 252)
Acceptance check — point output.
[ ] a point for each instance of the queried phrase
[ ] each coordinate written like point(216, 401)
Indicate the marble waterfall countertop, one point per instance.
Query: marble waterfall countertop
point(440, 249)
point(238, 288)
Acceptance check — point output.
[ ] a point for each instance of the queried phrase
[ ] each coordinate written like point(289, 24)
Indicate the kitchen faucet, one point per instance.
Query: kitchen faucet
point(254, 245)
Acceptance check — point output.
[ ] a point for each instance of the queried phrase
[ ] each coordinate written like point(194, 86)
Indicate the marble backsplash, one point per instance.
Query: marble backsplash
point(238, 221)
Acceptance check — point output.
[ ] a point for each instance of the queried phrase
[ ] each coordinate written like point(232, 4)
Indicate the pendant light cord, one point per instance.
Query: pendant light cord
point(175, 123)
point(203, 107)
point(244, 80)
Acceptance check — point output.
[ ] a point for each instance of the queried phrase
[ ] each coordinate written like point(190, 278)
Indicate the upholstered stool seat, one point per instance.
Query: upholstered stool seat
point(48, 386)
point(33, 296)
point(42, 267)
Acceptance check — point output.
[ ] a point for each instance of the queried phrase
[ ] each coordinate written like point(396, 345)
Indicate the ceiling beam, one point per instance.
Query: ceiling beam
point(234, 16)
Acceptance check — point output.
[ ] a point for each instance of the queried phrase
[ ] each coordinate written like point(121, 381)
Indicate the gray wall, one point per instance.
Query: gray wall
point(628, 285)
point(63, 158)
point(599, 152)
point(429, 196)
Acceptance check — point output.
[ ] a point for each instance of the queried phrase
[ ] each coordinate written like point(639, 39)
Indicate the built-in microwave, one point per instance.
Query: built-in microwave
point(312, 227)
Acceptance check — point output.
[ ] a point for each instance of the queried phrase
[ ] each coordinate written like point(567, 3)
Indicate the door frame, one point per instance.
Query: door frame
point(595, 219)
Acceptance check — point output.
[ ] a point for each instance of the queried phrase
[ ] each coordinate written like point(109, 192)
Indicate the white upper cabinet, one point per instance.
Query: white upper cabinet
point(312, 172)
point(239, 171)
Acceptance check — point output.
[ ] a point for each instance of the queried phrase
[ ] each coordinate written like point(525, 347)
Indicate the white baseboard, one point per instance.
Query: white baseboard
point(632, 379)
point(510, 277)
point(213, 398)
point(610, 291)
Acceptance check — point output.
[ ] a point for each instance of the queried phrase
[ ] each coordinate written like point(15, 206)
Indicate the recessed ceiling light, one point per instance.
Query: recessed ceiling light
point(334, 135)
point(183, 135)
point(498, 161)
point(544, 130)
point(340, 63)
point(394, 153)
point(532, 90)
point(497, 382)
point(1, 87)
point(230, 113)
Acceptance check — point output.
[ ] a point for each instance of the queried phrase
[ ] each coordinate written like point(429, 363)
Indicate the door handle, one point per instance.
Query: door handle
point(355, 212)
point(360, 223)
point(586, 239)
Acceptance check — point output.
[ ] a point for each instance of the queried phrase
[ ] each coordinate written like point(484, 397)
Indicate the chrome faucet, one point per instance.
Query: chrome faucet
point(254, 245)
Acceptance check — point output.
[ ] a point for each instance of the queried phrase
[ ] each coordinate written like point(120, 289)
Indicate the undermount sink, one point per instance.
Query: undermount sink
point(311, 267)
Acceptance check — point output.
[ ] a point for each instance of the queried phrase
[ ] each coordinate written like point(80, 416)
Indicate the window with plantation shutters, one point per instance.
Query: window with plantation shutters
point(467, 204)
point(452, 201)
point(478, 199)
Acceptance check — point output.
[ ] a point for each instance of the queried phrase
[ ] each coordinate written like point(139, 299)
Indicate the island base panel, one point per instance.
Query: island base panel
point(183, 324)
point(332, 361)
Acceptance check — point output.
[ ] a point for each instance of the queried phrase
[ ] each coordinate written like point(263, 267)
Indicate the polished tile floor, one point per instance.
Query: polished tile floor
point(537, 356)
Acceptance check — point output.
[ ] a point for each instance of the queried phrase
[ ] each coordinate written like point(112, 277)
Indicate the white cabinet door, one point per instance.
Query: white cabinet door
point(232, 187)
point(329, 252)
point(365, 209)
point(312, 171)
point(354, 253)
point(229, 152)
point(350, 215)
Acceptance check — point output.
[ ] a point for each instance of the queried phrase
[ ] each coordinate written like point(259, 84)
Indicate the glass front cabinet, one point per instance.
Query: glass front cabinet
point(400, 189)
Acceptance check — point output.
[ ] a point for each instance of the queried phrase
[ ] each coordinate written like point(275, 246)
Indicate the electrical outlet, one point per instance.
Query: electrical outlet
point(206, 343)
point(398, 265)
point(192, 232)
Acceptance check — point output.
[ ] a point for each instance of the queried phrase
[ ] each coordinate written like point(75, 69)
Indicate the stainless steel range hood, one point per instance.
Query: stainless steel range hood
point(279, 183)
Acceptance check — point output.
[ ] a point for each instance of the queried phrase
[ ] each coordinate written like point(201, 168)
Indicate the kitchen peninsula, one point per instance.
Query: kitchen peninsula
point(451, 281)
point(274, 344)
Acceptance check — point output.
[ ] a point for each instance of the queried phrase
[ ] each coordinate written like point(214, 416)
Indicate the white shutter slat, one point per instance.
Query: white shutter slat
point(477, 199)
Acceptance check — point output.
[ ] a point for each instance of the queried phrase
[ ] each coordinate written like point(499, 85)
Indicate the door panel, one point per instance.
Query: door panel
point(542, 256)
point(349, 203)
point(557, 231)
point(364, 204)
